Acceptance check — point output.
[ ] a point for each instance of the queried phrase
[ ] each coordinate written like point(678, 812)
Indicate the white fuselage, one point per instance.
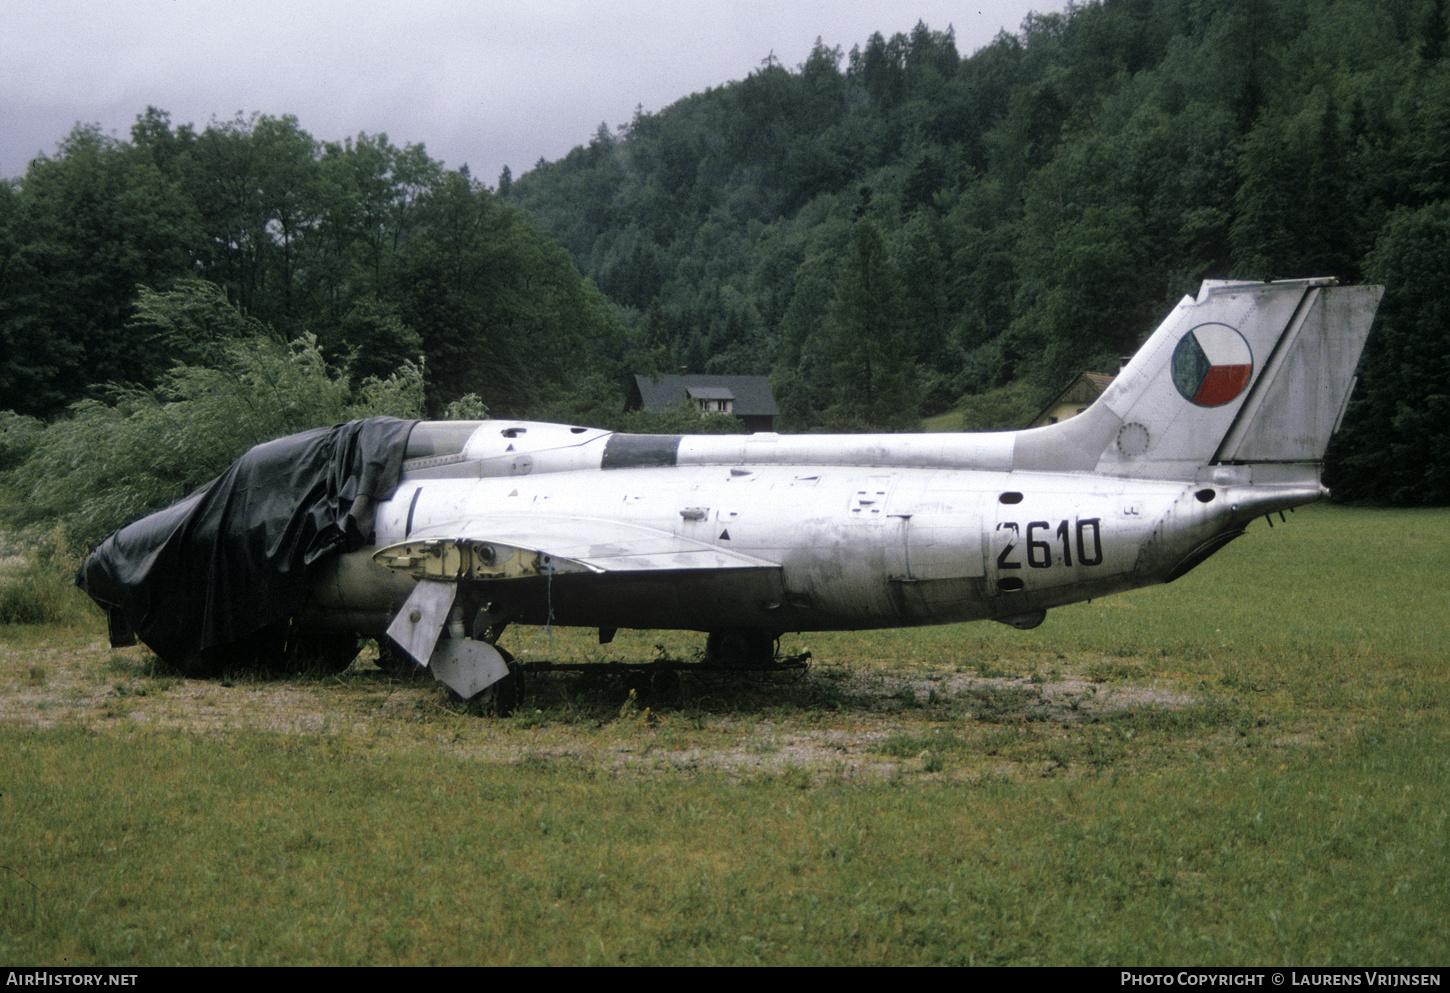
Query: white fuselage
point(845, 545)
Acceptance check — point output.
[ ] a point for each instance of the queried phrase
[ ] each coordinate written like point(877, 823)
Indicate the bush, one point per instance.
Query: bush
point(18, 437)
point(110, 463)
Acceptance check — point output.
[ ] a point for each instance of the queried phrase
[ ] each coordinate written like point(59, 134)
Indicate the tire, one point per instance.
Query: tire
point(502, 697)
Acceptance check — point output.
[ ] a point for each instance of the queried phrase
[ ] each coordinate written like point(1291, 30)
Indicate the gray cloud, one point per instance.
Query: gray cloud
point(486, 83)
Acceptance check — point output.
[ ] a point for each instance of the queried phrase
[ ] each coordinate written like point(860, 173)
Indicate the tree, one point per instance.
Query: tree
point(500, 309)
point(82, 230)
point(192, 323)
point(870, 352)
point(1395, 445)
point(1294, 213)
point(372, 340)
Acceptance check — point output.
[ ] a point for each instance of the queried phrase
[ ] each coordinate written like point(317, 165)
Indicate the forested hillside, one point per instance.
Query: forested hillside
point(889, 233)
point(378, 251)
point(1041, 203)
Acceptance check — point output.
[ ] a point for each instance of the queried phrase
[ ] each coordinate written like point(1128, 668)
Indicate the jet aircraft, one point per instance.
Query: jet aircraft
point(1222, 416)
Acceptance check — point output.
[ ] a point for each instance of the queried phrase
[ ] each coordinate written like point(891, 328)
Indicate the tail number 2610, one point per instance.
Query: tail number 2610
point(1043, 542)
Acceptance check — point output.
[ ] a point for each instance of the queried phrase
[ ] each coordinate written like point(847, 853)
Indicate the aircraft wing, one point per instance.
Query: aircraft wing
point(515, 546)
point(510, 546)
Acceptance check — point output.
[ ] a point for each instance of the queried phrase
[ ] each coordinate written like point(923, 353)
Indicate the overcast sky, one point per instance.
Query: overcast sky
point(486, 82)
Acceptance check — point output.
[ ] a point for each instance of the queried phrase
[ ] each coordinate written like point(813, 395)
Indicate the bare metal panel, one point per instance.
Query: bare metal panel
point(418, 625)
point(944, 546)
point(599, 544)
point(1297, 402)
point(467, 667)
point(1159, 432)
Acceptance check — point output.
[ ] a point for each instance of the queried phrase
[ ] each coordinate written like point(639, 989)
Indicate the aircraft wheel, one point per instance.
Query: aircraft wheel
point(500, 699)
point(740, 646)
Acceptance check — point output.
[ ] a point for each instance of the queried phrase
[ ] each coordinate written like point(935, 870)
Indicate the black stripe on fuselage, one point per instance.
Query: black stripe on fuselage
point(412, 506)
point(633, 451)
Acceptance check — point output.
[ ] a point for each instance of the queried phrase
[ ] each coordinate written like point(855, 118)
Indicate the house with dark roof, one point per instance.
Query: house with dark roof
point(1072, 401)
point(747, 398)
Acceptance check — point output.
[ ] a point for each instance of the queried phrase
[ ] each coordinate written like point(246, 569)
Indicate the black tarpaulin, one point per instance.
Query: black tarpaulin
point(234, 557)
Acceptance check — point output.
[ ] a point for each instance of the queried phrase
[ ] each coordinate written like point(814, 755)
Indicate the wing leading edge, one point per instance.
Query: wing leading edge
point(512, 546)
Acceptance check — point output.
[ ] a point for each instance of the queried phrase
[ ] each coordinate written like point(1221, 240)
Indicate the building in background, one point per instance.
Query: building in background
point(1085, 389)
point(746, 398)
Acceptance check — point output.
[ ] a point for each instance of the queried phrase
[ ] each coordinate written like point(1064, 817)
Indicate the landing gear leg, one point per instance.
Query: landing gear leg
point(433, 629)
point(500, 698)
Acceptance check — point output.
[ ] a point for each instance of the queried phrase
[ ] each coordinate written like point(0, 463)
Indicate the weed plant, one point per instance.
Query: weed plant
point(42, 592)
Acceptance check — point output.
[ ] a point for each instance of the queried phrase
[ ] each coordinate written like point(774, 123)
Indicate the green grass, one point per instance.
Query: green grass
point(271, 850)
point(1289, 808)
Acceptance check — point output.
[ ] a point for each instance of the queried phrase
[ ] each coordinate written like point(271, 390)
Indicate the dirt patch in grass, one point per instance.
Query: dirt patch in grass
point(834, 722)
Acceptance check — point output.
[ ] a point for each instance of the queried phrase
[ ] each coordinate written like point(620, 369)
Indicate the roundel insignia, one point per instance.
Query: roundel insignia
point(1212, 365)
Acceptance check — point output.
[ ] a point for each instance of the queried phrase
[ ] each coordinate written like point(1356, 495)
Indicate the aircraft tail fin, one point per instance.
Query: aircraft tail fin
point(1251, 374)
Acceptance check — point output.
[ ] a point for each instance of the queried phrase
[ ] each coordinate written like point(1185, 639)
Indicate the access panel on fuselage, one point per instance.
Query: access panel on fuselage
point(942, 512)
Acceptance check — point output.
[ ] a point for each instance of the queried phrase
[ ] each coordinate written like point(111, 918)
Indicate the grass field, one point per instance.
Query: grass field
point(1249, 766)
